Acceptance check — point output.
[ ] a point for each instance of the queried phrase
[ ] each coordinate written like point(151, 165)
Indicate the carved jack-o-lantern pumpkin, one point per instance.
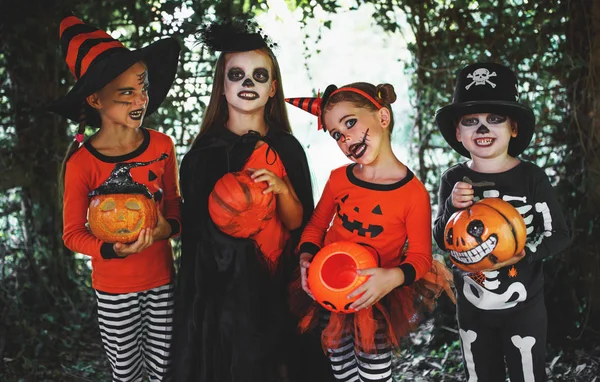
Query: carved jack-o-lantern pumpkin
point(332, 274)
point(121, 217)
point(121, 207)
point(238, 206)
point(490, 231)
point(353, 217)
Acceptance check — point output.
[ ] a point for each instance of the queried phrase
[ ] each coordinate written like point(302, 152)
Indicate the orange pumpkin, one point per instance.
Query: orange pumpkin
point(332, 274)
point(120, 217)
point(238, 206)
point(490, 231)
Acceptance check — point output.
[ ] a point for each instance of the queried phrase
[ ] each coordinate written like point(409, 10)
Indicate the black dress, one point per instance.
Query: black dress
point(232, 322)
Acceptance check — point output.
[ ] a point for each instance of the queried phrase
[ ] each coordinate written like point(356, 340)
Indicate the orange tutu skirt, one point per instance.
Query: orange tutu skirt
point(399, 312)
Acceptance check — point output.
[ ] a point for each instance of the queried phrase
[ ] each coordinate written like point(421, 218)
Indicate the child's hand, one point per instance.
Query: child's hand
point(462, 195)
point(162, 230)
point(381, 282)
point(305, 259)
point(513, 260)
point(144, 241)
point(276, 184)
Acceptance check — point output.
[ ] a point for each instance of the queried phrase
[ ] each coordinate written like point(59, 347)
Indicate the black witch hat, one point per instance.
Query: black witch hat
point(95, 59)
point(120, 180)
point(486, 88)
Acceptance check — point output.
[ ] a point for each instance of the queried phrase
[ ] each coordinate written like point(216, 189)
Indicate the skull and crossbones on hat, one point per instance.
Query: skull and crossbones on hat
point(481, 76)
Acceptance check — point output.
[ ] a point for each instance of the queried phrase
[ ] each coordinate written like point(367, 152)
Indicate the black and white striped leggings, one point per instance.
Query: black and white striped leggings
point(350, 364)
point(136, 332)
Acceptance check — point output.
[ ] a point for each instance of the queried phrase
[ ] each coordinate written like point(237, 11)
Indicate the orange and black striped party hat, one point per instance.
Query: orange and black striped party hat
point(314, 105)
point(95, 59)
point(310, 104)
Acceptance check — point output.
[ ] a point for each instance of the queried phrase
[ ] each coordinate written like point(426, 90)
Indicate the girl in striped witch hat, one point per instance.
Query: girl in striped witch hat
point(132, 280)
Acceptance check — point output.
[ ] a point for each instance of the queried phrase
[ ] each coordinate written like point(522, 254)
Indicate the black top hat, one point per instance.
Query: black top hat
point(95, 59)
point(486, 88)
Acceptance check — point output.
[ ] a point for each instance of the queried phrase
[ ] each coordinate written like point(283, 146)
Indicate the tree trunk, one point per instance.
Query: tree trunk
point(41, 142)
point(583, 160)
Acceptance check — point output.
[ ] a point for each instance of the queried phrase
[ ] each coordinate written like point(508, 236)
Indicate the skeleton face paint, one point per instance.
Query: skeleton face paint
point(485, 135)
point(248, 84)
point(123, 101)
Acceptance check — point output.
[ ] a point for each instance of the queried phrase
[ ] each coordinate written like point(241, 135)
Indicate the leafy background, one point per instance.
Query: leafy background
point(48, 330)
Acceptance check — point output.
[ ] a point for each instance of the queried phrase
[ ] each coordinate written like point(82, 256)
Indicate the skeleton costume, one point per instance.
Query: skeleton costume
point(501, 314)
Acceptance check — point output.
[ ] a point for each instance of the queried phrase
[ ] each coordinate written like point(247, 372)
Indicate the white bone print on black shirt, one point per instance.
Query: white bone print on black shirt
point(527, 211)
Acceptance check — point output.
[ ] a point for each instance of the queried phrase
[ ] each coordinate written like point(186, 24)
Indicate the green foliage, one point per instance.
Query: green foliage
point(547, 44)
point(47, 306)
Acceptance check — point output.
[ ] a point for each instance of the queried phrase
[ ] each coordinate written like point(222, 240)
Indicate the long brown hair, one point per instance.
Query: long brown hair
point(382, 93)
point(73, 147)
point(217, 114)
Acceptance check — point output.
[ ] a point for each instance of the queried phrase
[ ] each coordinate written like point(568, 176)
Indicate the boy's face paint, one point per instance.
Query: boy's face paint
point(485, 135)
point(248, 81)
point(124, 100)
point(357, 131)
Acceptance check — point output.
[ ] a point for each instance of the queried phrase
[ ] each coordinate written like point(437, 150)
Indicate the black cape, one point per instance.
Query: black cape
point(231, 315)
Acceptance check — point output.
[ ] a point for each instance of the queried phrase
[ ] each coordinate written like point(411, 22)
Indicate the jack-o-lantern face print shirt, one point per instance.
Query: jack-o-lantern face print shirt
point(381, 216)
point(86, 170)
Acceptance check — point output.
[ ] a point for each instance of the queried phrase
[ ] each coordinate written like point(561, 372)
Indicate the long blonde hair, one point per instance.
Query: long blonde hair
point(217, 114)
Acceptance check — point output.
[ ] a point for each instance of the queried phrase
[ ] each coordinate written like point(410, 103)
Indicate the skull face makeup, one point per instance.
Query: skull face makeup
point(486, 87)
point(485, 135)
point(248, 82)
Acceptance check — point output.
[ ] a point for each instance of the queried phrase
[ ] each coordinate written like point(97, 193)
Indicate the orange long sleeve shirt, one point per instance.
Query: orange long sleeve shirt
point(384, 217)
point(86, 170)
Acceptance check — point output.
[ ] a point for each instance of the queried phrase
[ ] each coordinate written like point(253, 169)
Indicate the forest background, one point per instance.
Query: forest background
point(48, 329)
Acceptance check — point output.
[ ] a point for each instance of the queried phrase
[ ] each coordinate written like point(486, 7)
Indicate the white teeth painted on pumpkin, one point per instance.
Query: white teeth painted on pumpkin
point(476, 254)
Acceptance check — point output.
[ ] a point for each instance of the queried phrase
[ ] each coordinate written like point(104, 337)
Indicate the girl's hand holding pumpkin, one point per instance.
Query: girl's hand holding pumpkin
point(305, 259)
point(162, 231)
point(462, 195)
point(275, 184)
point(381, 282)
point(144, 241)
point(147, 237)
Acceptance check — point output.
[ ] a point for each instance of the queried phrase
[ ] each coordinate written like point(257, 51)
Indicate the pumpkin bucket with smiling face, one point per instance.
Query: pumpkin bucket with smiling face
point(332, 274)
point(238, 206)
point(120, 217)
point(491, 231)
point(121, 207)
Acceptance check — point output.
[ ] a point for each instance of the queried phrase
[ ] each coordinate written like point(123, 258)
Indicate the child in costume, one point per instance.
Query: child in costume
point(230, 299)
point(132, 280)
point(376, 201)
point(501, 312)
